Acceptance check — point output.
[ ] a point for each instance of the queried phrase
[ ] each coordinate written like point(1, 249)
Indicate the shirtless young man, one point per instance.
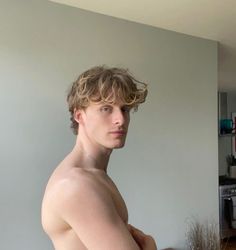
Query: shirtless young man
point(82, 208)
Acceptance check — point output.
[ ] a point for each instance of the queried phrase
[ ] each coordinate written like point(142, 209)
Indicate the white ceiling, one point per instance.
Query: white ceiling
point(211, 19)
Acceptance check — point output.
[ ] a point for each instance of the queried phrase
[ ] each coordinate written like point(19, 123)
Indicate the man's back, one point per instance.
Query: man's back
point(67, 184)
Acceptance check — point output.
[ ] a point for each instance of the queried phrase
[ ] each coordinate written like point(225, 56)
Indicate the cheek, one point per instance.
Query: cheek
point(96, 124)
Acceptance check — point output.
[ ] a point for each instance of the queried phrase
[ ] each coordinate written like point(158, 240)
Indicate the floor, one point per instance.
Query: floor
point(229, 244)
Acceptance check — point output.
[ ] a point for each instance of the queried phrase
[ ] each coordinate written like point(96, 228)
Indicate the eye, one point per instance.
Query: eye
point(106, 109)
point(125, 109)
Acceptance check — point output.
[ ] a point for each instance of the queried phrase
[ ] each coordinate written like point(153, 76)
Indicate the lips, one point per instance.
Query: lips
point(118, 132)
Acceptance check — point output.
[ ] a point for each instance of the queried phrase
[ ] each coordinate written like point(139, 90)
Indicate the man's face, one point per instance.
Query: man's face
point(106, 124)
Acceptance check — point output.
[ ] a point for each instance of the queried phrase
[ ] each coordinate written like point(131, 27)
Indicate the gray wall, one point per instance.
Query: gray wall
point(168, 170)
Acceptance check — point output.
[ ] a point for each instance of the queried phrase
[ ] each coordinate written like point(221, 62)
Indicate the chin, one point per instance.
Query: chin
point(116, 144)
point(120, 145)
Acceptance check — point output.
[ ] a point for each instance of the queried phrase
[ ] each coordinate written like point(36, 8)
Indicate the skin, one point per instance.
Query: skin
point(82, 207)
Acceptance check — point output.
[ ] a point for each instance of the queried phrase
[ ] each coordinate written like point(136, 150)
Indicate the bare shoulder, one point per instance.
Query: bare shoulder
point(77, 183)
point(74, 191)
point(75, 195)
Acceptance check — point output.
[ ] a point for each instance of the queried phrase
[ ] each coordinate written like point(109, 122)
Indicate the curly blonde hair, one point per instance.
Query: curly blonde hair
point(103, 84)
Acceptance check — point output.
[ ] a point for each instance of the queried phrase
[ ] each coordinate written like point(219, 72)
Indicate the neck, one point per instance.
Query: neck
point(90, 156)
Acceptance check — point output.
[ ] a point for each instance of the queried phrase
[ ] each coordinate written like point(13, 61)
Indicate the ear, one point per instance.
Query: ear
point(78, 115)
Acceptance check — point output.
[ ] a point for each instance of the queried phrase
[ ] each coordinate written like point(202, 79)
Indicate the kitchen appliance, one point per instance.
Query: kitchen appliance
point(227, 190)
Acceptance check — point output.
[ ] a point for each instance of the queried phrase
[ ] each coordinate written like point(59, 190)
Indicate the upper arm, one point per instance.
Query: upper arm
point(91, 213)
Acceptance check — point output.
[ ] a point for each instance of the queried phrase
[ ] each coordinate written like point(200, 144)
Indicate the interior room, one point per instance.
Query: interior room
point(168, 172)
point(227, 177)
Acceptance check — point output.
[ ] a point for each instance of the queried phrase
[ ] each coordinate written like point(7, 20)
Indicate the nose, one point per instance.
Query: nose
point(119, 117)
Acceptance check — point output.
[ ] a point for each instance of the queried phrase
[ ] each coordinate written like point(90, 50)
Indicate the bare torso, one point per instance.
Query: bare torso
point(59, 231)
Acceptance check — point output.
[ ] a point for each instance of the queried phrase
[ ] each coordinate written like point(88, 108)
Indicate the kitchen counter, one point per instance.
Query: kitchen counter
point(226, 180)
